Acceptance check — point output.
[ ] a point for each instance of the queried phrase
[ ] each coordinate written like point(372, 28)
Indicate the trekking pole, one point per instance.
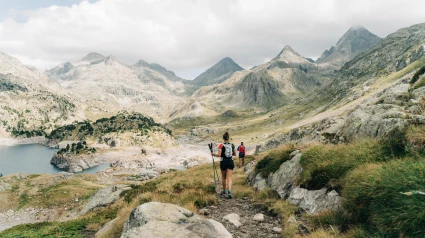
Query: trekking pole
point(216, 178)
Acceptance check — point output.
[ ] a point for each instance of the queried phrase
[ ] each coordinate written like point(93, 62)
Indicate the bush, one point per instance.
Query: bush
point(417, 75)
point(326, 165)
point(272, 161)
point(373, 197)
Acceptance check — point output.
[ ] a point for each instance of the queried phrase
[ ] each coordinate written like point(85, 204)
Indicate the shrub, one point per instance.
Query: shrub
point(326, 165)
point(272, 161)
point(417, 75)
point(373, 197)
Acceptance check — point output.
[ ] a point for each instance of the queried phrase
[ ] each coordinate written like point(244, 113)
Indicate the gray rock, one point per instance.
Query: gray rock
point(277, 230)
point(234, 219)
point(292, 219)
point(203, 211)
point(4, 186)
point(315, 201)
point(156, 219)
point(259, 182)
point(106, 229)
point(104, 197)
point(258, 217)
point(283, 180)
point(75, 163)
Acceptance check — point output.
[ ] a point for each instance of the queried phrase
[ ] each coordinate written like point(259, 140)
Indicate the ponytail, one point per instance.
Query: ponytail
point(226, 136)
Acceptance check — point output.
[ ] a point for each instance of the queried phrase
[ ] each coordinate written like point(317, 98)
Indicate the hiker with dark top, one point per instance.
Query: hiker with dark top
point(225, 152)
point(242, 152)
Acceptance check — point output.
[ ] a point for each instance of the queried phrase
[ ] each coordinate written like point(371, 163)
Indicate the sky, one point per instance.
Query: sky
point(189, 36)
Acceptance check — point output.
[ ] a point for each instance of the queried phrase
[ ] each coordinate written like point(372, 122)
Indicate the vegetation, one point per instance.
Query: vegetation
point(272, 161)
point(77, 148)
point(121, 122)
point(417, 75)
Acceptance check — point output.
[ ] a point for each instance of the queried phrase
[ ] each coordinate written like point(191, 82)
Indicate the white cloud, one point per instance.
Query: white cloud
point(191, 34)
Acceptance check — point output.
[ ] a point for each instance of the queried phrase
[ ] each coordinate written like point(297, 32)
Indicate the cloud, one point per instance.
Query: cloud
point(188, 35)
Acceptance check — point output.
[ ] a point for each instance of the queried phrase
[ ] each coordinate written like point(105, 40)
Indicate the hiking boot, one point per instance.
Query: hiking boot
point(229, 194)
point(223, 193)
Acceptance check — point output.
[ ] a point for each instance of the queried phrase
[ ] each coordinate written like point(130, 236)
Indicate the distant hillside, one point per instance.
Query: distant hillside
point(217, 73)
point(105, 82)
point(356, 40)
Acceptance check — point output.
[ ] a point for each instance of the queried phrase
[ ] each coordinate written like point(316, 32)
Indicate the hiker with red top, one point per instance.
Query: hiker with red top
point(225, 152)
point(242, 152)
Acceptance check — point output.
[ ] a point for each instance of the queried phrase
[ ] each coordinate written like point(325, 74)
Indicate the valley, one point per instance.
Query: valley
point(310, 128)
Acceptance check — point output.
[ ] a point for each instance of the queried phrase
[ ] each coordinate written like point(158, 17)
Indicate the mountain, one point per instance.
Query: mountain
point(31, 103)
point(217, 73)
point(160, 69)
point(106, 82)
point(356, 40)
point(392, 54)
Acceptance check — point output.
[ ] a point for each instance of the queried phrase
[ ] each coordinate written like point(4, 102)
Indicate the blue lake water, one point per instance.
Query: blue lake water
point(32, 159)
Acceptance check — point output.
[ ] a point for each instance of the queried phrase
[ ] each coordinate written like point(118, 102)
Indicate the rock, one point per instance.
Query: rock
point(156, 219)
point(282, 181)
point(203, 211)
point(65, 175)
point(258, 217)
point(106, 229)
point(250, 167)
point(4, 186)
point(143, 175)
point(277, 230)
point(20, 176)
point(194, 161)
point(75, 163)
point(104, 197)
point(233, 218)
point(315, 201)
point(259, 182)
point(292, 219)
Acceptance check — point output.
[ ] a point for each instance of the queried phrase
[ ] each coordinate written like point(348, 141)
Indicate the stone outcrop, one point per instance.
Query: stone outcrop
point(75, 163)
point(283, 181)
point(104, 197)
point(156, 219)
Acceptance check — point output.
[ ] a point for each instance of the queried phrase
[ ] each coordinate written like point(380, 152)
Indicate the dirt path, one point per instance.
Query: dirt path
point(246, 210)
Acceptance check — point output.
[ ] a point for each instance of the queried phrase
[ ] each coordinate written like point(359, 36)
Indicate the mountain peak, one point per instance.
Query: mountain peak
point(92, 57)
point(289, 55)
point(218, 73)
point(356, 40)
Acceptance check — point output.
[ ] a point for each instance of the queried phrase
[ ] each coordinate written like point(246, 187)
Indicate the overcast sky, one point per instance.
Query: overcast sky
point(189, 36)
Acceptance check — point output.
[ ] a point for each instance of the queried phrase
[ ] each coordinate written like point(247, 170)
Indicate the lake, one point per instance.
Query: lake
point(32, 159)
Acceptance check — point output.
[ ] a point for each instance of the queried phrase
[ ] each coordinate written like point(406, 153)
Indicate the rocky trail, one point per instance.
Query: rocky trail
point(243, 218)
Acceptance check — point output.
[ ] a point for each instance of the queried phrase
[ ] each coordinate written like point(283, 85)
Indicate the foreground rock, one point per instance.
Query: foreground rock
point(104, 197)
point(156, 220)
point(283, 181)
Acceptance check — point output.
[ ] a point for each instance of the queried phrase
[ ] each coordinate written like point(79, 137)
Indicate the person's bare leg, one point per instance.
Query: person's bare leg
point(223, 179)
point(229, 178)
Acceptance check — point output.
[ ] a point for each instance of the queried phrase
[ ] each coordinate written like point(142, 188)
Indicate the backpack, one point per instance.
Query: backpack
point(242, 149)
point(227, 151)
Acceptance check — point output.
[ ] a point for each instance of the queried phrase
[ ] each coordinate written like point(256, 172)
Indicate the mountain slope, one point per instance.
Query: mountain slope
point(105, 82)
point(30, 103)
point(217, 73)
point(356, 40)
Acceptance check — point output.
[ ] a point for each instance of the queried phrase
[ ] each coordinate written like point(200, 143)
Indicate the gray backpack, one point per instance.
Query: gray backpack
point(227, 151)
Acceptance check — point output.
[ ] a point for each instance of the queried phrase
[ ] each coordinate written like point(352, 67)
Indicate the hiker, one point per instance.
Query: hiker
point(241, 150)
point(225, 152)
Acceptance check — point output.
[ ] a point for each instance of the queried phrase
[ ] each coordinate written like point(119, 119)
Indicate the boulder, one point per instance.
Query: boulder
point(234, 219)
point(75, 163)
point(283, 180)
point(104, 197)
point(315, 201)
point(258, 217)
point(155, 219)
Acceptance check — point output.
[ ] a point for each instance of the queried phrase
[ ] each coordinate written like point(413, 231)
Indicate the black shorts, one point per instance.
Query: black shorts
point(241, 155)
point(227, 164)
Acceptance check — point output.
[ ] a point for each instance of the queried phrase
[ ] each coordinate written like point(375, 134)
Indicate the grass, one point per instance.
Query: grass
point(272, 161)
